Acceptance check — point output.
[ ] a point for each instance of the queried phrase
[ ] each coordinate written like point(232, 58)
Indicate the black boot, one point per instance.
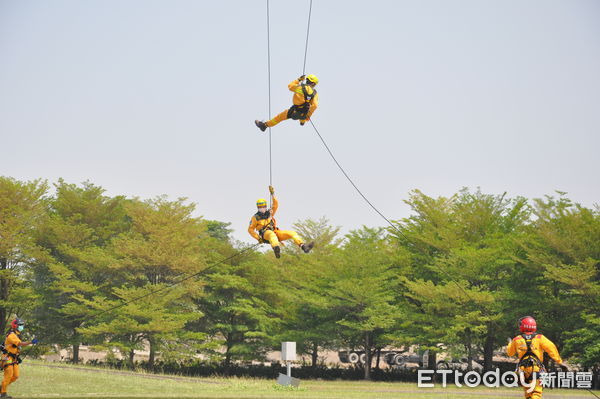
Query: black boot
point(5, 395)
point(261, 125)
point(277, 251)
point(307, 247)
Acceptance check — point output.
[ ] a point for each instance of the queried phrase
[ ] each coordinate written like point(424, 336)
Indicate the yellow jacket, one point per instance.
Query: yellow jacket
point(259, 224)
point(539, 345)
point(298, 98)
point(13, 349)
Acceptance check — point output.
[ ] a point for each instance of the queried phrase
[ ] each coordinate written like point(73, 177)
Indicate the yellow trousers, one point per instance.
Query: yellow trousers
point(536, 393)
point(279, 118)
point(274, 237)
point(11, 374)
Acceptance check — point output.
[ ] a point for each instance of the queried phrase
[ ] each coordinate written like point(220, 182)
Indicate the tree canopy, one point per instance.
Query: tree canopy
point(125, 274)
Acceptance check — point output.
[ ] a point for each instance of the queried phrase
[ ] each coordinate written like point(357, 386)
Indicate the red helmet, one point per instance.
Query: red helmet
point(527, 324)
point(16, 323)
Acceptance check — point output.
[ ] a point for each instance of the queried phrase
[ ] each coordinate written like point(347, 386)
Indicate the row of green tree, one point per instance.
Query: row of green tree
point(84, 267)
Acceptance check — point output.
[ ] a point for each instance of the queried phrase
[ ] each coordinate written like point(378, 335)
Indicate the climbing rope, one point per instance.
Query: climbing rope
point(350, 180)
point(590, 391)
point(392, 225)
point(307, 33)
point(346, 174)
point(269, 84)
point(269, 80)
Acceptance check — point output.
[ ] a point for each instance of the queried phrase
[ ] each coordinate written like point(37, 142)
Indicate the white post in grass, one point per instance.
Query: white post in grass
point(288, 355)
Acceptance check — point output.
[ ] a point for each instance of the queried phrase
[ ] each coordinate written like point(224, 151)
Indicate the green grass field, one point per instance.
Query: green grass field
point(46, 380)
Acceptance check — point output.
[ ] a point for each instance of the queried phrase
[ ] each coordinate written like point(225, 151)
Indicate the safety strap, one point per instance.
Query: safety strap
point(8, 358)
point(529, 353)
point(262, 216)
point(308, 97)
point(262, 231)
point(270, 226)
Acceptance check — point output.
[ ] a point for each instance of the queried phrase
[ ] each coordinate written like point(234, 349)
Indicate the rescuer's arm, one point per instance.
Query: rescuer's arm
point(275, 205)
point(252, 229)
point(295, 84)
point(549, 347)
point(13, 340)
point(511, 349)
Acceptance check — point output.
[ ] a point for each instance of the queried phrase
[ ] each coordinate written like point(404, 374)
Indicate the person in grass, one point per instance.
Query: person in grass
point(11, 355)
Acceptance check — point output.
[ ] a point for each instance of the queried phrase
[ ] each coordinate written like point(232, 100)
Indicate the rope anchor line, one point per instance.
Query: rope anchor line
point(307, 32)
point(269, 84)
point(269, 78)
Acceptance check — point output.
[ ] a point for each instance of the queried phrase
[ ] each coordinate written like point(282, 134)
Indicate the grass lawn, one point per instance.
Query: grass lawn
point(47, 380)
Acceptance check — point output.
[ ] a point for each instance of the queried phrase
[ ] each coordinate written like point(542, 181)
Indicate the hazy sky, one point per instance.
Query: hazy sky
point(159, 97)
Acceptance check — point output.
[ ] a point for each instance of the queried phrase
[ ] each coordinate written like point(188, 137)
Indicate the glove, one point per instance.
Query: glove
point(34, 341)
point(271, 190)
point(262, 241)
point(301, 78)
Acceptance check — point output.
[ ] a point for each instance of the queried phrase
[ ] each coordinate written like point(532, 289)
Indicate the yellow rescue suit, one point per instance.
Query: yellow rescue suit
point(263, 226)
point(306, 101)
point(10, 360)
point(538, 345)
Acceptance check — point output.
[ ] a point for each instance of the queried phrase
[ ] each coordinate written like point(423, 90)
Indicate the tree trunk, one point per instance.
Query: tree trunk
point(488, 350)
point(315, 355)
point(75, 353)
point(131, 357)
point(469, 357)
point(152, 355)
point(227, 361)
point(367, 356)
point(3, 293)
point(469, 348)
point(378, 358)
point(432, 360)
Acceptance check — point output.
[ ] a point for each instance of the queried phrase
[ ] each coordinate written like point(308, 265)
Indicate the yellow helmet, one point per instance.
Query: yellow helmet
point(312, 79)
point(261, 202)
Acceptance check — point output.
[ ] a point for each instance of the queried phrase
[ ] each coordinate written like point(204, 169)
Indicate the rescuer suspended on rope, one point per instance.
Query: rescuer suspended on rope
point(305, 99)
point(263, 227)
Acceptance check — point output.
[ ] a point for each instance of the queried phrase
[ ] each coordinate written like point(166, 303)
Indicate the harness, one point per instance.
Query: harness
point(530, 359)
point(7, 358)
point(270, 226)
point(299, 112)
